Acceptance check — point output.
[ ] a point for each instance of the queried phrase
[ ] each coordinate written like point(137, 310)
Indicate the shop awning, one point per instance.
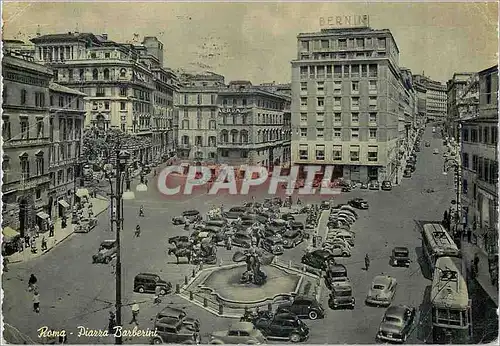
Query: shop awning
point(9, 233)
point(82, 192)
point(63, 203)
point(42, 215)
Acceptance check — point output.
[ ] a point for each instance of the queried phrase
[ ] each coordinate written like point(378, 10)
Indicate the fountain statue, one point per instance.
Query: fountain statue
point(254, 258)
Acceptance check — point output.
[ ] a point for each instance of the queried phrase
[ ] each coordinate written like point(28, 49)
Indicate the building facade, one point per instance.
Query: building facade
point(479, 149)
point(454, 90)
point(66, 122)
point(435, 98)
point(26, 142)
point(126, 86)
point(198, 112)
point(346, 86)
point(250, 125)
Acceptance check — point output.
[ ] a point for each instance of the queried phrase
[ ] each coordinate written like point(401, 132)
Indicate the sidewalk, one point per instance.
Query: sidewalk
point(483, 275)
point(99, 205)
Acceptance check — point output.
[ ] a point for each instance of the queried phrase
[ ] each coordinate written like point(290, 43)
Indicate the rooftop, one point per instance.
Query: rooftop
point(62, 89)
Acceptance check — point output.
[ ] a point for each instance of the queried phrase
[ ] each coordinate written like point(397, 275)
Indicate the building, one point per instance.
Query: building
point(250, 125)
point(454, 90)
point(479, 149)
point(26, 142)
point(346, 87)
point(198, 112)
point(435, 98)
point(19, 46)
point(126, 85)
point(67, 117)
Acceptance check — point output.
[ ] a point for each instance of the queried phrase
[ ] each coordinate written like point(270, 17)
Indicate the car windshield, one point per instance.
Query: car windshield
point(289, 235)
point(107, 245)
point(242, 236)
point(343, 293)
point(400, 254)
point(236, 209)
point(392, 319)
point(378, 287)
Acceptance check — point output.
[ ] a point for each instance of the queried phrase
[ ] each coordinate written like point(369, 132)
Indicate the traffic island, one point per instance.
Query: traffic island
point(219, 290)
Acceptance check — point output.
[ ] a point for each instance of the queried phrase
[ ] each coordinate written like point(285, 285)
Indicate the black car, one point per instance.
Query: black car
point(410, 167)
point(292, 238)
point(400, 257)
point(235, 212)
point(359, 203)
point(407, 173)
point(325, 205)
point(284, 326)
point(386, 185)
point(179, 239)
point(288, 217)
point(318, 259)
point(148, 282)
point(303, 307)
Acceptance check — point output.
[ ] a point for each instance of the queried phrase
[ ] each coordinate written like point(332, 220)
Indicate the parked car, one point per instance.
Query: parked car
point(179, 239)
point(147, 283)
point(382, 291)
point(427, 144)
point(238, 333)
point(363, 186)
point(169, 331)
point(407, 173)
point(287, 217)
point(359, 203)
point(410, 167)
point(273, 245)
point(400, 257)
point(334, 274)
point(337, 249)
point(325, 205)
point(242, 239)
point(297, 225)
point(341, 296)
point(318, 259)
point(386, 185)
point(217, 223)
point(397, 323)
point(178, 315)
point(107, 251)
point(234, 213)
point(374, 185)
point(292, 238)
point(303, 307)
point(436, 151)
point(284, 326)
point(343, 235)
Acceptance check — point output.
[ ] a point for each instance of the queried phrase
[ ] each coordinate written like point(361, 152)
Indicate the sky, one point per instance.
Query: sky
point(257, 41)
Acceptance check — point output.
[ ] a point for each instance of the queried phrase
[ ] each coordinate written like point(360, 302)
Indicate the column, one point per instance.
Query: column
point(53, 50)
point(72, 52)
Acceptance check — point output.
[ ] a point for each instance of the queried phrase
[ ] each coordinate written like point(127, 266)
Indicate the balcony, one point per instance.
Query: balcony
point(28, 184)
point(26, 142)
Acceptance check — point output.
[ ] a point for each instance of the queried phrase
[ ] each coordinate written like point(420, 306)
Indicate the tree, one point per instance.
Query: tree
point(98, 143)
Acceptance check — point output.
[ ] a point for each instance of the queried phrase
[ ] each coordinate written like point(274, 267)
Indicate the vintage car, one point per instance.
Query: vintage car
point(179, 240)
point(242, 239)
point(191, 215)
point(234, 213)
point(436, 151)
point(363, 186)
point(341, 295)
point(107, 251)
point(382, 291)
point(85, 225)
point(297, 225)
point(238, 333)
point(397, 323)
point(400, 257)
point(170, 331)
point(359, 203)
point(334, 274)
point(318, 259)
point(148, 282)
point(343, 235)
point(374, 185)
point(273, 244)
point(178, 315)
point(337, 249)
point(427, 144)
point(287, 217)
point(407, 173)
point(216, 222)
point(284, 326)
point(386, 185)
point(325, 205)
point(292, 237)
point(303, 307)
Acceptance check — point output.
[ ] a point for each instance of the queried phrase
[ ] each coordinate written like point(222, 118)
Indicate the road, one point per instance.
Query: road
point(75, 292)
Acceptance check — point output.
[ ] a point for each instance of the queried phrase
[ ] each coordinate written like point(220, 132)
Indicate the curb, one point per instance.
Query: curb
point(57, 243)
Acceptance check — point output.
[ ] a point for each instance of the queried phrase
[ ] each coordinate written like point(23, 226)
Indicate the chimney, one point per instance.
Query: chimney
point(105, 36)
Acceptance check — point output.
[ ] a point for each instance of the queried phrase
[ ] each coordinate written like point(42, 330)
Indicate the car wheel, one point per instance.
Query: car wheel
point(295, 337)
point(157, 341)
point(140, 289)
point(345, 254)
point(313, 315)
point(163, 292)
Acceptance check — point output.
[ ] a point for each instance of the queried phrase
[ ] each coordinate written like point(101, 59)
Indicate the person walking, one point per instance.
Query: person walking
point(476, 263)
point(367, 262)
point(32, 282)
point(51, 228)
point(44, 244)
point(229, 243)
point(135, 313)
point(5, 263)
point(137, 232)
point(111, 322)
point(36, 302)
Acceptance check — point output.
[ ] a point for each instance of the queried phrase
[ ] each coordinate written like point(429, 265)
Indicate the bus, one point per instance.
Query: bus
point(450, 303)
point(436, 242)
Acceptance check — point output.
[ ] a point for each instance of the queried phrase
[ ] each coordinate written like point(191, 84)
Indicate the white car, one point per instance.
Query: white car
point(436, 151)
point(382, 291)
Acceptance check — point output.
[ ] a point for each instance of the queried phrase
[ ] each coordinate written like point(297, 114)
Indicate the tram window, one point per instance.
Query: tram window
point(442, 316)
point(465, 318)
point(455, 317)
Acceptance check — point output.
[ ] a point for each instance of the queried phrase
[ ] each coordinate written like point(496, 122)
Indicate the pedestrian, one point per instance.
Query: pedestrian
point(32, 282)
point(472, 269)
point(27, 240)
point(146, 181)
point(36, 302)
point(44, 244)
point(135, 312)
point(51, 228)
point(367, 262)
point(111, 322)
point(229, 243)
point(20, 245)
point(157, 299)
point(5, 263)
point(137, 232)
point(141, 211)
point(476, 263)
point(33, 245)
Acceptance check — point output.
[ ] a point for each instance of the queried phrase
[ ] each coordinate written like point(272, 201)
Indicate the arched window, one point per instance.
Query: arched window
point(234, 136)
point(95, 74)
point(244, 136)
point(106, 74)
point(224, 136)
point(185, 140)
point(211, 125)
point(123, 73)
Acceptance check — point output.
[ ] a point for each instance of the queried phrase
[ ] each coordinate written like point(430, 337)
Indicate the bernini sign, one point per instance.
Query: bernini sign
point(345, 21)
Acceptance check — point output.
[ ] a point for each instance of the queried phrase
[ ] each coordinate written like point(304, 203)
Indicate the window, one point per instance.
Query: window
point(6, 132)
point(70, 74)
point(303, 117)
point(355, 133)
point(39, 164)
point(320, 71)
point(372, 102)
point(465, 160)
point(346, 71)
point(24, 128)
point(372, 134)
point(319, 132)
point(381, 42)
point(473, 135)
point(337, 153)
point(106, 105)
point(337, 87)
point(25, 166)
point(354, 117)
point(354, 153)
point(337, 132)
point(337, 71)
point(303, 152)
point(360, 42)
point(337, 102)
point(337, 117)
point(372, 85)
point(355, 87)
point(123, 106)
point(372, 117)
point(61, 102)
point(494, 135)
point(303, 133)
point(95, 74)
point(99, 92)
point(364, 70)
point(24, 93)
point(342, 43)
point(372, 153)
point(320, 152)
point(465, 187)
point(486, 133)
point(39, 99)
point(321, 102)
point(328, 71)
point(6, 163)
point(474, 163)
point(199, 99)
point(303, 72)
point(480, 135)
point(372, 68)
point(123, 92)
point(488, 88)
point(354, 102)
point(39, 128)
point(81, 73)
point(123, 73)
point(303, 86)
point(303, 101)
point(185, 124)
point(106, 74)
point(321, 87)
point(355, 71)
point(325, 44)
